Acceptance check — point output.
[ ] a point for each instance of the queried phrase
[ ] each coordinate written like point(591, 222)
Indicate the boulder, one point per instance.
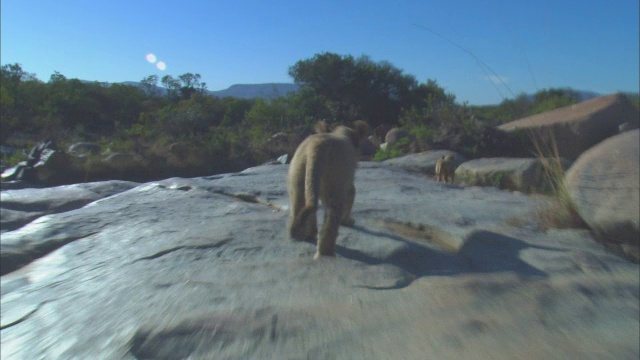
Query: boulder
point(394, 135)
point(45, 166)
point(283, 159)
point(517, 174)
point(36, 152)
point(604, 187)
point(402, 139)
point(14, 172)
point(575, 128)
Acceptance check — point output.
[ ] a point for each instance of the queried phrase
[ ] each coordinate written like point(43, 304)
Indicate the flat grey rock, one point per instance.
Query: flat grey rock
point(202, 268)
point(20, 207)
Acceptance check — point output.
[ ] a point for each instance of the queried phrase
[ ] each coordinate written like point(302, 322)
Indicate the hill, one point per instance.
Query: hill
point(250, 91)
point(242, 91)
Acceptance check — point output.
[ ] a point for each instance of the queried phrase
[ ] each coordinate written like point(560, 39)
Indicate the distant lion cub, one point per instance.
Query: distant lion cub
point(323, 168)
point(445, 169)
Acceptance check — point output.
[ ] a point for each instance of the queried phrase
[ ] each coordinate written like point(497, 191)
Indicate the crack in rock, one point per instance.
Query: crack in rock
point(23, 317)
point(182, 247)
point(15, 259)
point(248, 198)
point(421, 232)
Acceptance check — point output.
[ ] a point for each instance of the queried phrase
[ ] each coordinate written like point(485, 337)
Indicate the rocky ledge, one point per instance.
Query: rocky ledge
point(202, 268)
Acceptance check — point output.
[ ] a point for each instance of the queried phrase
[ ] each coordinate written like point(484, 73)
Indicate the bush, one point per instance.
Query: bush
point(398, 149)
point(14, 158)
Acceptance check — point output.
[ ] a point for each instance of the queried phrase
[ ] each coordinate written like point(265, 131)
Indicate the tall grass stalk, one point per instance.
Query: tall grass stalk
point(561, 212)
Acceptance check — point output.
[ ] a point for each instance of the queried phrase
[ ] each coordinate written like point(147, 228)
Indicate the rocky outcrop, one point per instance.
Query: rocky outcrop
point(202, 268)
point(604, 187)
point(517, 174)
point(575, 128)
point(45, 166)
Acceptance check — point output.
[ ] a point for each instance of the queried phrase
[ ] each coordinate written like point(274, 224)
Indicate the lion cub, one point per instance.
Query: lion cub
point(323, 168)
point(445, 169)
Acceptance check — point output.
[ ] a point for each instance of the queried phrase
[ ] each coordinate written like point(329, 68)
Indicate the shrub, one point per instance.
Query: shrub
point(14, 158)
point(397, 150)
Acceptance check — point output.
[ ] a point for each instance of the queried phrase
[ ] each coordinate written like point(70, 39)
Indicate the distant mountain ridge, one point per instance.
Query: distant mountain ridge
point(242, 91)
point(275, 90)
point(250, 91)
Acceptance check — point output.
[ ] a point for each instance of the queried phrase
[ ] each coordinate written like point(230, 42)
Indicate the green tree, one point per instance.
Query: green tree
point(122, 104)
point(553, 98)
point(191, 84)
point(267, 117)
point(22, 96)
point(172, 85)
point(150, 85)
point(357, 88)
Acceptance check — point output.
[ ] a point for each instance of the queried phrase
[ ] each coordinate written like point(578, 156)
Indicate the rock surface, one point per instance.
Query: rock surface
point(604, 185)
point(19, 207)
point(577, 127)
point(201, 268)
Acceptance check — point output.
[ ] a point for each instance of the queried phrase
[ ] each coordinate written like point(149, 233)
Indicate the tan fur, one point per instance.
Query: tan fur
point(323, 168)
point(445, 169)
point(321, 127)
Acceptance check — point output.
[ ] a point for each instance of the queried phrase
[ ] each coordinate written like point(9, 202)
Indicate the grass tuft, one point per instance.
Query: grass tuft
point(561, 212)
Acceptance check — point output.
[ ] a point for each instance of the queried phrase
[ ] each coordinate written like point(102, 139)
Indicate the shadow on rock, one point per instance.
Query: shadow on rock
point(487, 251)
point(482, 252)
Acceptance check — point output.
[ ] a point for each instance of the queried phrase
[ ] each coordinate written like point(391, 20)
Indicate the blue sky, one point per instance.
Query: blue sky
point(481, 51)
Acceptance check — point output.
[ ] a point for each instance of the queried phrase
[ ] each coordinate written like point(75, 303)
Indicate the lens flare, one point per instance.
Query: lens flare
point(161, 65)
point(151, 58)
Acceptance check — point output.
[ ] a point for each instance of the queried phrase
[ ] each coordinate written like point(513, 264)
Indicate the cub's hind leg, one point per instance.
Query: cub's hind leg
point(302, 218)
point(347, 220)
point(333, 214)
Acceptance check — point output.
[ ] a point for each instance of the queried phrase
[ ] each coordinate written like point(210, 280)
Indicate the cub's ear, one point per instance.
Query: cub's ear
point(321, 127)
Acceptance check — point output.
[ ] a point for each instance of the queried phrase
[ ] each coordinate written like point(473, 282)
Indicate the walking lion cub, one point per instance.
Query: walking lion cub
point(445, 169)
point(323, 168)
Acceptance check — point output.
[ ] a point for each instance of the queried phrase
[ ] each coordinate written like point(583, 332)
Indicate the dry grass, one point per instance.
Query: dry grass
point(561, 212)
point(559, 215)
